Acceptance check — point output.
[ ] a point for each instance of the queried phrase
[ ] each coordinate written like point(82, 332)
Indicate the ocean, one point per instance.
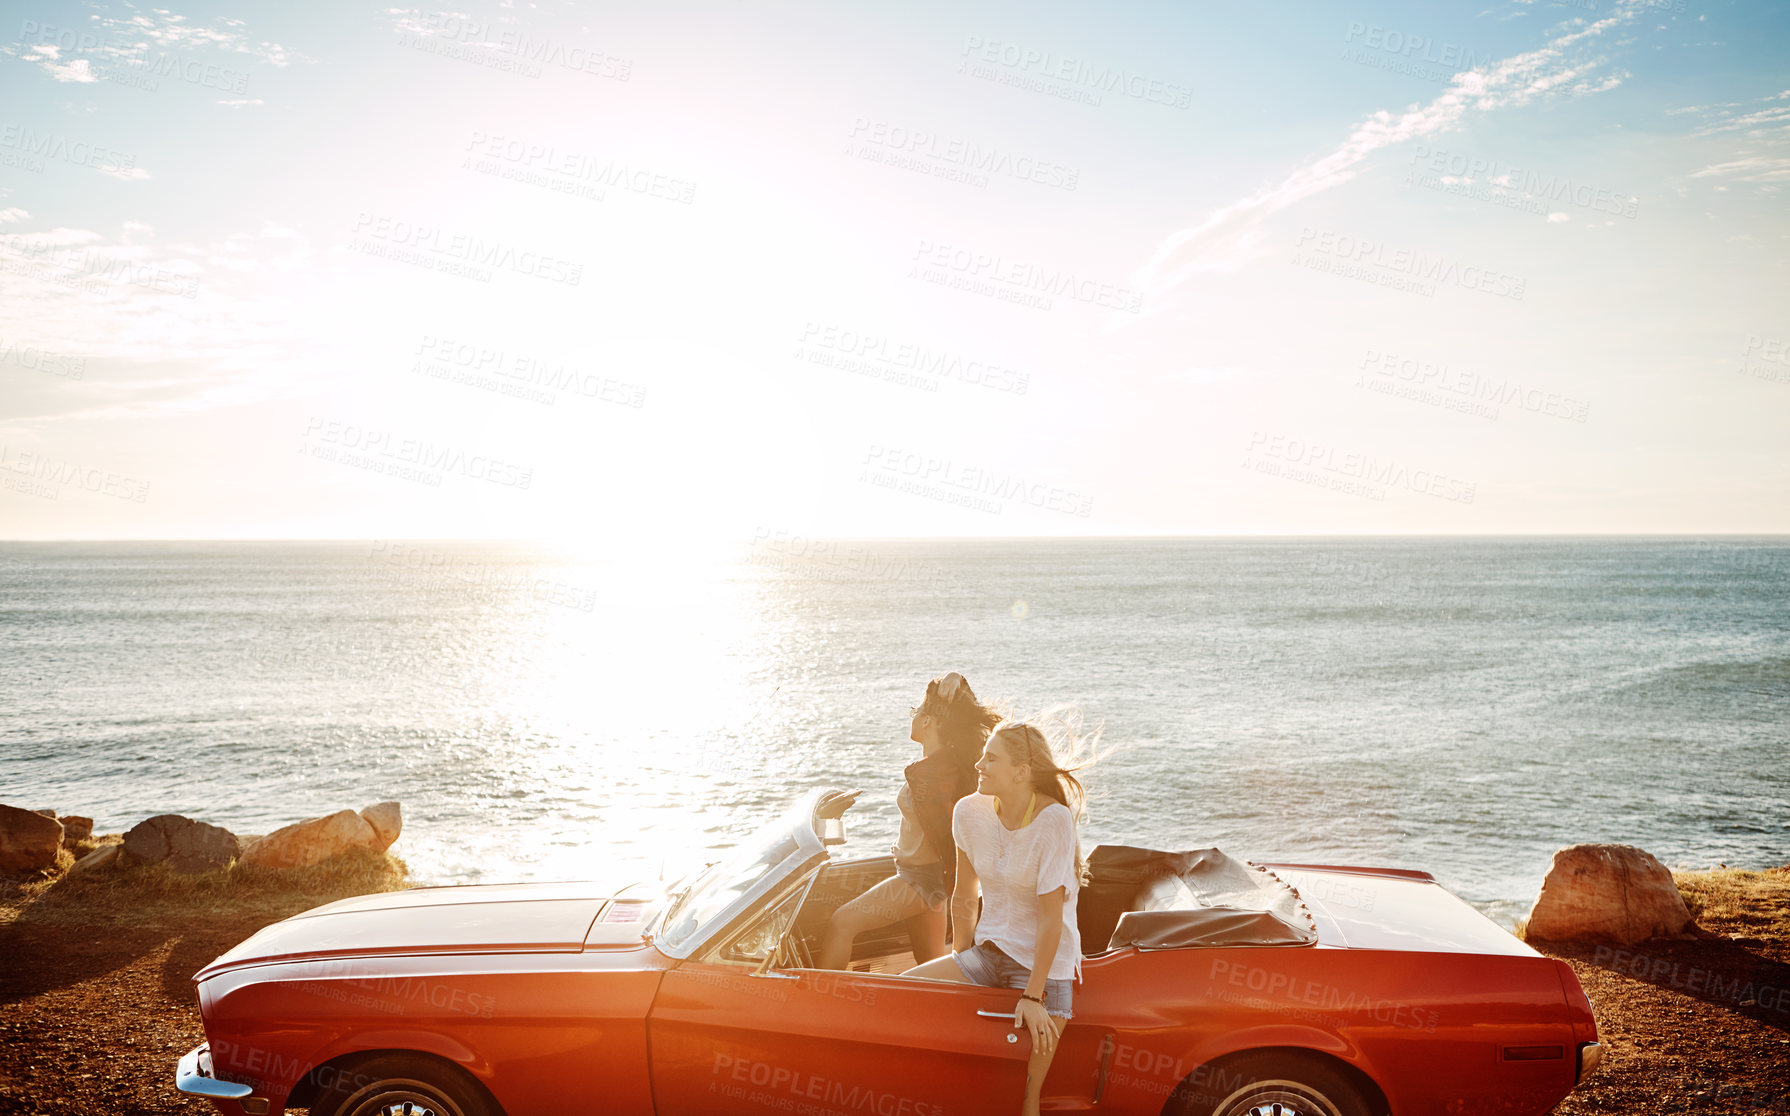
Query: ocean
point(1463, 706)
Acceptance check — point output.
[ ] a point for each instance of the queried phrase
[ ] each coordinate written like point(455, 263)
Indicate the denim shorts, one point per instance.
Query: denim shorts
point(986, 964)
point(927, 880)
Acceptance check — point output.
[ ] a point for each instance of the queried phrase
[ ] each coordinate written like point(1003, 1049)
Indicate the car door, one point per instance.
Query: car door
point(812, 1042)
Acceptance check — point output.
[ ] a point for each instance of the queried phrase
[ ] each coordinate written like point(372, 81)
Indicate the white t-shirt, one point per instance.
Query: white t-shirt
point(1015, 867)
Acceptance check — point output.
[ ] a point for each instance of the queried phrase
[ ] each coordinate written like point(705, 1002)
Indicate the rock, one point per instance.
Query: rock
point(147, 841)
point(28, 839)
point(107, 857)
point(45, 813)
point(188, 846)
point(76, 828)
point(387, 820)
point(309, 842)
point(201, 847)
point(1607, 893)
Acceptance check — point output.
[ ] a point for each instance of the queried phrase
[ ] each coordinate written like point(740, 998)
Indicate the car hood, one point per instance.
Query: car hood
point(486, 918)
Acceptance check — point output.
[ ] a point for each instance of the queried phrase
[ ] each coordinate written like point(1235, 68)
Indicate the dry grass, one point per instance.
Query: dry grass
point(1738, 902)
point(87, 844)
point(157, 894)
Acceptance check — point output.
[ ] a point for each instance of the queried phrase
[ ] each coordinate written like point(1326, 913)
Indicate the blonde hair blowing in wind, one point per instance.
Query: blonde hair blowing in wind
point(1053, 742)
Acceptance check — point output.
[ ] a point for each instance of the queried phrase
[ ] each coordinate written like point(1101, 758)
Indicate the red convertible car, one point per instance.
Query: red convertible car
point(1210, 987)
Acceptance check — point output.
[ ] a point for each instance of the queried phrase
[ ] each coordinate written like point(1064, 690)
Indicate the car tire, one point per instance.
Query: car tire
point(1281, 1085)
point(407, 1083)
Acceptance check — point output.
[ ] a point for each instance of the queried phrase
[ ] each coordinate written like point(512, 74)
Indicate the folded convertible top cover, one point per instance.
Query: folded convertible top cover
point(1207, 926)
point(1199, 898)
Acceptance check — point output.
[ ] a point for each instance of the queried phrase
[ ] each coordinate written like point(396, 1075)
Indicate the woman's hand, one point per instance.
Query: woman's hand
point(836, 804)
point(1031, 1015)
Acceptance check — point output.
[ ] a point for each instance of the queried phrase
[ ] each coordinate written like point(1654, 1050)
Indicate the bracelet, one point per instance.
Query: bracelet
point(1034, 999)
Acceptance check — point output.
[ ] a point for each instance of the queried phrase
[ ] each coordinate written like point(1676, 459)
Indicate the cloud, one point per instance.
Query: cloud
point(12, 213)
point(174, 32)
point(1752, 168)
point(179, 326)
point(141, 39)
point(1764, 116)
point(1761, 128)
point(1229, 237)
point(433, 23)
point(46, 56)
point(53, 238)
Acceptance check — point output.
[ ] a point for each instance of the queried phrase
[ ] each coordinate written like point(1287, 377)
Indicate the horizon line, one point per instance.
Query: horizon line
point(750, 537)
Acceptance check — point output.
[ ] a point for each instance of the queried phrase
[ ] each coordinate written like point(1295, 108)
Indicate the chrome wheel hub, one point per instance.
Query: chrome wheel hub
point(402, 1100)
point(1278, 1099)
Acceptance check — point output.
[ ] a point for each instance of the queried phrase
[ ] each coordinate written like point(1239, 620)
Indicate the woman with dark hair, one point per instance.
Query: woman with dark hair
point(950, 726)
point(1019, 851)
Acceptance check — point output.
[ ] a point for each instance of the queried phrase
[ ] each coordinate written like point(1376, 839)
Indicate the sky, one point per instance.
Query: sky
point(713, 270)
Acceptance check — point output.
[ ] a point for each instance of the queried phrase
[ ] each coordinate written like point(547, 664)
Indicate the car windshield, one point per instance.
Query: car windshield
point(722, 883)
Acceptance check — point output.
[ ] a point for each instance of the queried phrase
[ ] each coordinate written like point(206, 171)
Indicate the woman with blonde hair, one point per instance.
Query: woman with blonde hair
point(1019, 848)
point(950, 726)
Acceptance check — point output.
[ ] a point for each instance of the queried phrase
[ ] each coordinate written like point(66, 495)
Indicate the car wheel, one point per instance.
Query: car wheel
point(1272, 1086)
point(394, 1084)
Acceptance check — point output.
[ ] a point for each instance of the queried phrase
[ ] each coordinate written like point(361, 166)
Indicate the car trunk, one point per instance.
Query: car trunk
point(1393, 909)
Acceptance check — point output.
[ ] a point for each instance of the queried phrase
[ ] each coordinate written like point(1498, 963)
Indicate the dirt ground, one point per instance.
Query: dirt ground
point(96, 1008)
point(1681, 1030)
point(93, 1019)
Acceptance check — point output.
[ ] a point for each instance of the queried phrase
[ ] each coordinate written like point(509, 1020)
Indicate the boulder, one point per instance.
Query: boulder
point(44, 812)
point(186, 845)
point(312, 841)
point(387, 820)
point(28, 839)
point(1607, 893)
point(147, 841)
point(106, 857)
point(76, 828)
point(201, 847)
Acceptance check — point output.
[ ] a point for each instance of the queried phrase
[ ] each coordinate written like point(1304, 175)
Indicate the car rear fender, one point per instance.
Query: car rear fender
point(1292, 1037)
point(1274, 1034)
point(1578, 1005)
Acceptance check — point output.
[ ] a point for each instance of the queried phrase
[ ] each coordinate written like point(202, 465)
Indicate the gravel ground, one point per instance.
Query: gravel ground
point(1694, 1026)
point(92, 1019)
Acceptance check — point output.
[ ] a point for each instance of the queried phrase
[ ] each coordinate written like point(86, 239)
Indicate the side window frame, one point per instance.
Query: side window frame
point(792, 899)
